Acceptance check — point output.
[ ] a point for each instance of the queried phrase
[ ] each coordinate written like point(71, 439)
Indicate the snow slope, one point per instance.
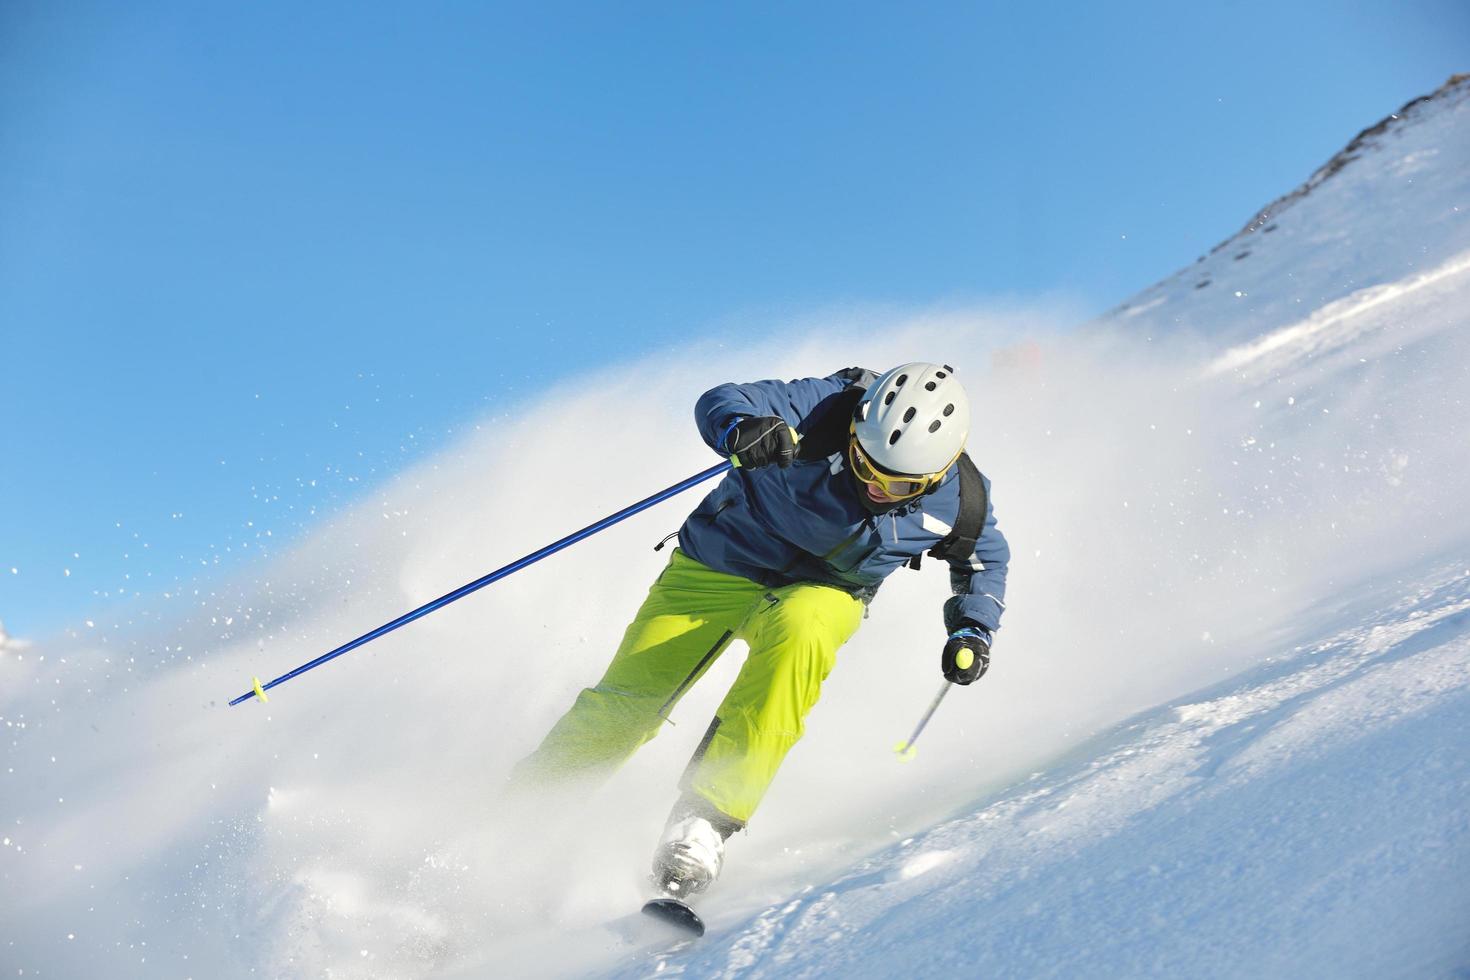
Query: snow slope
point(1242, 501)
point(1308, 819)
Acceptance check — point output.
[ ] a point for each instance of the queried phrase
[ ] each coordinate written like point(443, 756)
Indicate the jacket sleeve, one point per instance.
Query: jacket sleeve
point(791, 400)
point(980, 584)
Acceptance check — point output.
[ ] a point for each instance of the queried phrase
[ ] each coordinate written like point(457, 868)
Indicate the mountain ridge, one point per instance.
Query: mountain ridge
point(1343, 240)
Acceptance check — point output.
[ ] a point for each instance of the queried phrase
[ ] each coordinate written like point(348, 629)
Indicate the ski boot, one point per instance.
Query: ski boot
point(688, 858)
point(687, 861)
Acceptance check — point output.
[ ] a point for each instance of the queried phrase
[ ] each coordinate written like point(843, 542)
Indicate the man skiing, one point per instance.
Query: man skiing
point(838, 482)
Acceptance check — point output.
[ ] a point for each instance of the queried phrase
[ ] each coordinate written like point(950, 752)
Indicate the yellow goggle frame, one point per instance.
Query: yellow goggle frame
point(899, 486)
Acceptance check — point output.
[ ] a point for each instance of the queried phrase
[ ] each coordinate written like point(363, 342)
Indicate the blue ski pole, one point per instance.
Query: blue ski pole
point(258, 689)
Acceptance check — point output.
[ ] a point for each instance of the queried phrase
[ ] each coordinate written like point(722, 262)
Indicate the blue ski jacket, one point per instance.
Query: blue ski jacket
point(807, 523)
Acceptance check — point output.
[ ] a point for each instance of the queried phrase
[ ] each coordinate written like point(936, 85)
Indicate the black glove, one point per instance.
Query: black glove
point(760, 442)
point(966, 656)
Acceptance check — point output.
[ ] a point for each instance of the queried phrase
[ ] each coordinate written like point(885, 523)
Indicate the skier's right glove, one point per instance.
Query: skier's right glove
point(966, 656)
point(759, 442)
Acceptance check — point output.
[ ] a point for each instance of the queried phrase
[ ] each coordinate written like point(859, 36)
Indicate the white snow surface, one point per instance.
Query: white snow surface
point(1225, 733)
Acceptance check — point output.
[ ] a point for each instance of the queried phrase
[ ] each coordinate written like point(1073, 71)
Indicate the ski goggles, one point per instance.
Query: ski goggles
point(899, 485)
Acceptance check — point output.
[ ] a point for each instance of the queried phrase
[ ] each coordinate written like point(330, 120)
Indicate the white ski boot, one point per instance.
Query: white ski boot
point(688, 858)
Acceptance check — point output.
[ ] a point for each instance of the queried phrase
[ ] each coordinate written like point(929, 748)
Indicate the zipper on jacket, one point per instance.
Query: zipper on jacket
point(849, 540)
point(719, 510)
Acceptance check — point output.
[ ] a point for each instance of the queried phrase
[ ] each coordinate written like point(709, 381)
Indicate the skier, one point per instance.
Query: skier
point(838, 482)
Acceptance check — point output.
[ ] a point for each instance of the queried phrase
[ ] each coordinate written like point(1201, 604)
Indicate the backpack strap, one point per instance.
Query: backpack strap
point(959, 544)
point(825, 429)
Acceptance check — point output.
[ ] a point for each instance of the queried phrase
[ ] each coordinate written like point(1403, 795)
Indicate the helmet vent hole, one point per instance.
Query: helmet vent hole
point(948, 411)
point(931, 386)
point(934, 426)
point(898, 383)
point(909, 415)
point(940, 374)
point(949, 369)
point(888, 399)
point(894, 438)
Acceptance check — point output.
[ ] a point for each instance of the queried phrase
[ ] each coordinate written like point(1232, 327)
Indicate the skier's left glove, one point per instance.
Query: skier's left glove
point(966, 656)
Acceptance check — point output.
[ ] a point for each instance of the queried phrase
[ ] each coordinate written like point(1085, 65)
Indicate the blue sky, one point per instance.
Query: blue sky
point(253, 258)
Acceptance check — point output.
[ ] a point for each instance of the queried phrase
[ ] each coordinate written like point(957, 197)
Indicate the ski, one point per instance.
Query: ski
point(675, 913)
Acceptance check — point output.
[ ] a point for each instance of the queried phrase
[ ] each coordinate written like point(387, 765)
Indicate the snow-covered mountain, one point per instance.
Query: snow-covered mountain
point(1224, 734)
point(1388, 208)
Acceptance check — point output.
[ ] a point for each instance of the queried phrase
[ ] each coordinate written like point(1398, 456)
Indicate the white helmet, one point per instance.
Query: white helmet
point(914, 419)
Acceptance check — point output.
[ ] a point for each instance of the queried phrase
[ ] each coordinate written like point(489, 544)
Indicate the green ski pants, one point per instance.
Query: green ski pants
point(691, 615)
